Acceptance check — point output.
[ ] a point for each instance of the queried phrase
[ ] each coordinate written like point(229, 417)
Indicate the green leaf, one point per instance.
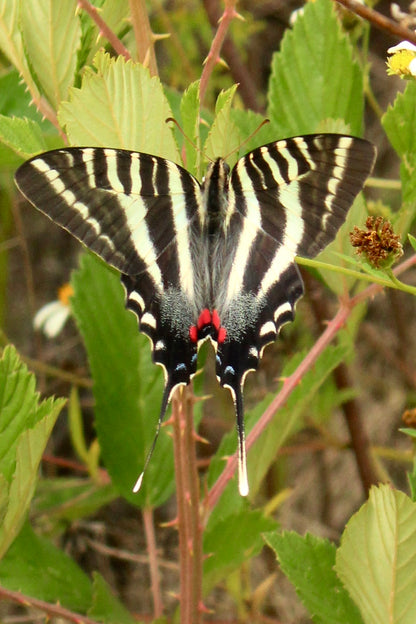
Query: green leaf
point(25, 427)
point(308, 562)
point(412, 241)
point(190, 127)
point(51, 33)
point(399, 121)
point(106, 607)
point(11, 43)
point(127, 386)
point(377, 557)
point(227, 544)
point(314, 76)
point(62, 500)
point(223, 136)
point(23, 136)
point(34, 566)
point(119, 105)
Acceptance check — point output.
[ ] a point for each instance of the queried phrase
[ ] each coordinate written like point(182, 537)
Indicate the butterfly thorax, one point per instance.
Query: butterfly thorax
point(215, 196)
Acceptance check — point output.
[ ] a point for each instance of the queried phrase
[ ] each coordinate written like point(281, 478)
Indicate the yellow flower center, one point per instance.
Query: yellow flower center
point(399, 62)
point(65, 292)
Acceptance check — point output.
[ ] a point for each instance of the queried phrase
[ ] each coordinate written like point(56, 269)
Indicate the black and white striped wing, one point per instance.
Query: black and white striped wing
point(135, 211)
point(286, 199)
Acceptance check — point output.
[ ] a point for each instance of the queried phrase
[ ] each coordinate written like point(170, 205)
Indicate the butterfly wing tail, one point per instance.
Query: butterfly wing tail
point(167, 393)
point(242, 455)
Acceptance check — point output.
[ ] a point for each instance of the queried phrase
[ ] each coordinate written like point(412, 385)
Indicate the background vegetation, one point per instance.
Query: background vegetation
point(324, 411)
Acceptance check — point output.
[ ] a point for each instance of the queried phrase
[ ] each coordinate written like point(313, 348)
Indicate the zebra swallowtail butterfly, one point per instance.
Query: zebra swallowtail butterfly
point(205, 261)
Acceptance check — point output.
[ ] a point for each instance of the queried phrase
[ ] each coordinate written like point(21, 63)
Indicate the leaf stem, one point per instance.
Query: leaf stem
point(392, 282)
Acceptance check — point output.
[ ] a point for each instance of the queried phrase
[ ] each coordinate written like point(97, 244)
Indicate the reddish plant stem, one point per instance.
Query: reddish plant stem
point(378, 20)
point(351, 408)
point(105, 31)
point(214, 53)
point(290, 383)
point(53, 610)
point(189, 520)
point(149, 530)
point(247, 88)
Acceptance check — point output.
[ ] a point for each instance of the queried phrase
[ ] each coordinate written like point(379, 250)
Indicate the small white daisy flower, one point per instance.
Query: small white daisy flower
point(402, 61)
point(52, 317)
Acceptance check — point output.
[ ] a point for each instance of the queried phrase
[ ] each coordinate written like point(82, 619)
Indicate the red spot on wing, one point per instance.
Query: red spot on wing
point(216, 320)
point(193, 333)
point(222, 334)
point(204, 318)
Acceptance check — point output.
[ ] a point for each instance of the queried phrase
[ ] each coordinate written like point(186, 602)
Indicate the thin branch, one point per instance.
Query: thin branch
point(145, 39)
point(293, 380)
point(189, 520)
point(104, 29)
point(214, 53)
point(149, 530)
point(247, 87)
point(378, 20)
point(46, 607)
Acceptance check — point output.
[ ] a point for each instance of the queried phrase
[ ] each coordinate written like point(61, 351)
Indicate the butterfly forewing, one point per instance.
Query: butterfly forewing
point(213, 262)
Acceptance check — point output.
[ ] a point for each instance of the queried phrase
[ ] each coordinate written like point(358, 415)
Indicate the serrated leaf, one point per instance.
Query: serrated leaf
point(119, 105)
point(25, 426)
point(223, 136)
point(11, 43)
point(230, 542)
point(399, 121)
point(190, 126)
point(106, 607)
point(23, 136)
point(34, 566)
point(377, 557)
point(314, 76)
point(127, 385)
point(308, 562)
point(51, 33)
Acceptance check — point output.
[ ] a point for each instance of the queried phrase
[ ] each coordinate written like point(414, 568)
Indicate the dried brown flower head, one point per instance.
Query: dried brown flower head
point(379, 244)
point(409, 417)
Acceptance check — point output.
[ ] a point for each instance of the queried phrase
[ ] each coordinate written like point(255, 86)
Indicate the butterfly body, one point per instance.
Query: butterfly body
point(205, 261)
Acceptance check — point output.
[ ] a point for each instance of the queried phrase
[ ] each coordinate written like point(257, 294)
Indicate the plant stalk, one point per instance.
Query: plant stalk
point(189, 519)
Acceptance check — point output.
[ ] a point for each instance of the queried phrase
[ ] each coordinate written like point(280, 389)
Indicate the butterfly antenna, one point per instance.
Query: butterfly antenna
point(165, 402)
point(247, 139)
point(242, 459)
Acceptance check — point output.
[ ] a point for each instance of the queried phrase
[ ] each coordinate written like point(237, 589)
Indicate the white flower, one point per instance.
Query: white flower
point(402, 60)
point(403, 45)
point(52, 317)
